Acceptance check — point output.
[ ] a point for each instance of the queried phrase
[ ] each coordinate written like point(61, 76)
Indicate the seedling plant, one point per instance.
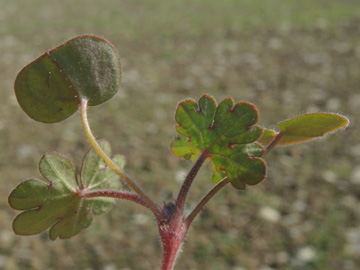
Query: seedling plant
point(85, 71)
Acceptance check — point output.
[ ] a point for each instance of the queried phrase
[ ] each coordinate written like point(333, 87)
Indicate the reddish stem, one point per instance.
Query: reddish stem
point(184, 191)
point(274, 142)
point(172, 241)
point(113, 194)
point(189, 219)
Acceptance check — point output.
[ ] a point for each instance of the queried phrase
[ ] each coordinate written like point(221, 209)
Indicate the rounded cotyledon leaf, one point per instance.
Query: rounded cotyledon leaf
point(57, 202)
point(224, 134)
point(50, 88)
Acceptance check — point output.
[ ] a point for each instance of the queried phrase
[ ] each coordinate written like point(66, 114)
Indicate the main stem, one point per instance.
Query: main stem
point(148, 201)
point(173, 233)
point(172, 241)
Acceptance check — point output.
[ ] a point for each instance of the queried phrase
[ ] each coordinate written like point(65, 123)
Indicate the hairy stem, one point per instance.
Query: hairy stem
point(274, 142)
point(147, 200)
point(172, 241)
point(184, 190)
point(113, 194)
point(189, 219)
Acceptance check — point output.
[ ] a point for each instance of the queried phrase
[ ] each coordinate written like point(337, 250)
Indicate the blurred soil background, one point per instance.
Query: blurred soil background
point(287, 57)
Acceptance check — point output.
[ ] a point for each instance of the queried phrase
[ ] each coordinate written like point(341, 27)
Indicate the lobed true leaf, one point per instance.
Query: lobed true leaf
point(57, 202)
point(225, 134)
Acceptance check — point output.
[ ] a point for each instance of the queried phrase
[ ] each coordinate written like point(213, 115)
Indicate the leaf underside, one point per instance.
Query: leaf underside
point(50, 88)
point(225, 134)
point(56, 202)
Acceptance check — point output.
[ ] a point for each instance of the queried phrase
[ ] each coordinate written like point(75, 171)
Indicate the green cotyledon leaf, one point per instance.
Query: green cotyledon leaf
point(305, 128)
point(310, 126)
point(57, 202)
point(225, 134)
point(50, 88)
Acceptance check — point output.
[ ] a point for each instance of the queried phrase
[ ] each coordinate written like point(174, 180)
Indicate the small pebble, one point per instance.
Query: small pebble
point(306, 254)
point(270, 214)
